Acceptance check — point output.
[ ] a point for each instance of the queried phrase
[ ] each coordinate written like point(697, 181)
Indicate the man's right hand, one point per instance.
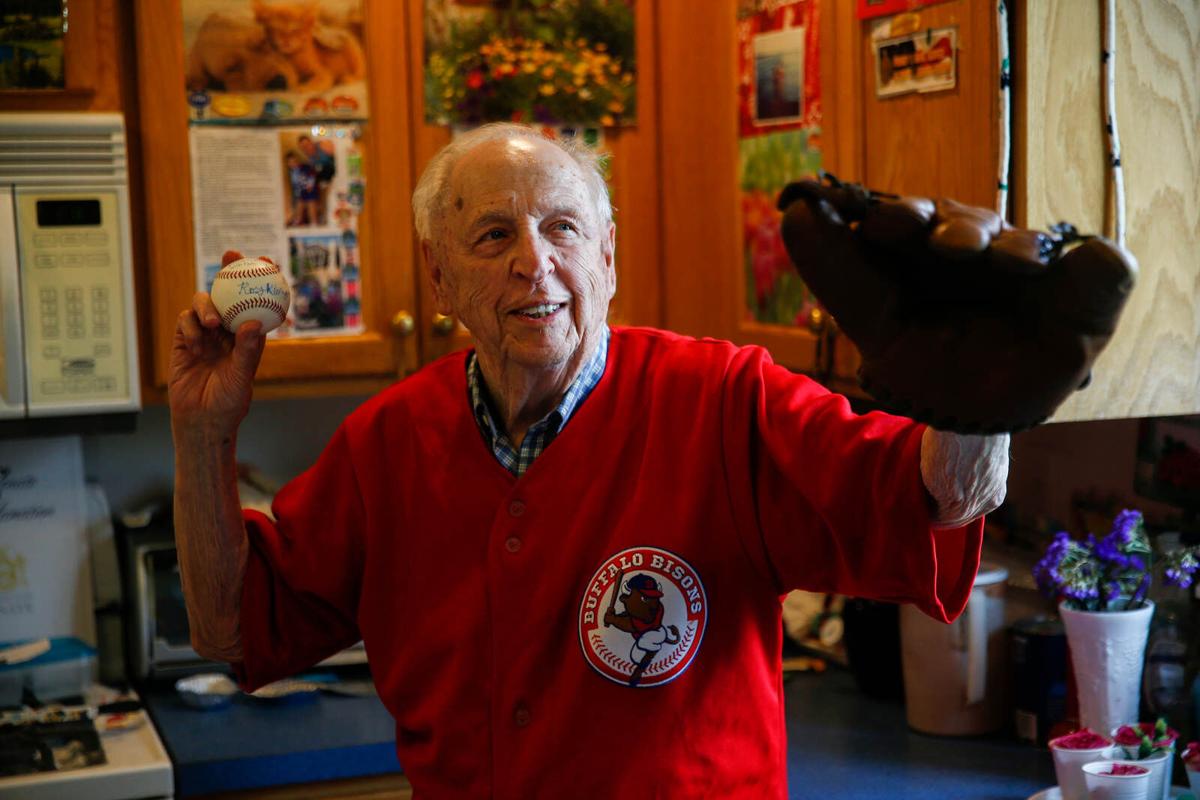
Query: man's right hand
point(211, 370)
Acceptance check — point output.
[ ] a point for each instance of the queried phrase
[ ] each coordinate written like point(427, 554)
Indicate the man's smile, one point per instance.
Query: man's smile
point(539, 311)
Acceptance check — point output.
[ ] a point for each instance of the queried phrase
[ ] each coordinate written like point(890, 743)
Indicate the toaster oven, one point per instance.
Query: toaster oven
point(157, 637)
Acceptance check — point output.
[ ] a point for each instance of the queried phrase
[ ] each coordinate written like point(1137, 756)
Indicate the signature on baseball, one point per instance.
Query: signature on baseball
point(253, 290)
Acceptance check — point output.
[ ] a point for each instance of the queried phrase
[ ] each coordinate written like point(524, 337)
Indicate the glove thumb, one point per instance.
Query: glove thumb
point(1089, 286)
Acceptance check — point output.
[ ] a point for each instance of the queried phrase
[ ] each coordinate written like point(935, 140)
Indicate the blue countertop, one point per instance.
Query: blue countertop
point(844, 744)
point(256, 743)
point(841, 744)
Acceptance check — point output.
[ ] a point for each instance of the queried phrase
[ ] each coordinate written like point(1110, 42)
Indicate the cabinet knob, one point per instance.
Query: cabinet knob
point(443, 325)
point(403, 324)
point(816, 320)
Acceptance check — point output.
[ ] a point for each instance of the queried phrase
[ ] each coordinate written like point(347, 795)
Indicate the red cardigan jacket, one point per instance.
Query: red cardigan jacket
point(607, 625)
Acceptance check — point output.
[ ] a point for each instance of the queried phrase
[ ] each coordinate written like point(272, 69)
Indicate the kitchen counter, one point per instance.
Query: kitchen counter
point(258, 743)
point(843, 744)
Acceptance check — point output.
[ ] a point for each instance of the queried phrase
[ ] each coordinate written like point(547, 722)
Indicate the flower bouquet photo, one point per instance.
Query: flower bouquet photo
point(1102, 587)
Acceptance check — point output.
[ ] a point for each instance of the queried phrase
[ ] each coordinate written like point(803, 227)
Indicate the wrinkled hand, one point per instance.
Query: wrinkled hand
point(211, 370)
point(963, 321)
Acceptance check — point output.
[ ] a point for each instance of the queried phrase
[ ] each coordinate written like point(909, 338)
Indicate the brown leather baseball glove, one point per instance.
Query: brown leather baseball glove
point(963, 321)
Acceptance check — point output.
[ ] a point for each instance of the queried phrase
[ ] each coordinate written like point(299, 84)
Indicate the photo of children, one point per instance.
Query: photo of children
point(315, 265)
point(310, 166)
point(274, 59)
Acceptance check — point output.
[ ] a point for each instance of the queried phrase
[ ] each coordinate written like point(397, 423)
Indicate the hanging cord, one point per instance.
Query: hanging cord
point(1116, 176)
point(1005, 122)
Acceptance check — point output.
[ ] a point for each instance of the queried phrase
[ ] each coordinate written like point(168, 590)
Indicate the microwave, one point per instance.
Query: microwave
point(67, 314)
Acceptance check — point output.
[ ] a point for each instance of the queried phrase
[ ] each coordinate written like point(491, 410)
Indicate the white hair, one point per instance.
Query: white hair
point(431, 196)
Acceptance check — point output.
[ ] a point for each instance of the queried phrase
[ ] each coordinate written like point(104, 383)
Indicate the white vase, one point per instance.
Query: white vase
point(1107, 649)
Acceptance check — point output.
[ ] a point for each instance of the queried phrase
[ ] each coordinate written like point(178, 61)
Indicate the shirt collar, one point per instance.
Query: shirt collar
point(576, 393)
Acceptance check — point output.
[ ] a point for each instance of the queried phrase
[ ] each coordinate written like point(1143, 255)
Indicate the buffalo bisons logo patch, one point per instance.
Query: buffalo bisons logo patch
point(642, 617)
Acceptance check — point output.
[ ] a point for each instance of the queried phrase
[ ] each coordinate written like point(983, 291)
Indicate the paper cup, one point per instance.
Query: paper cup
point(1160, 774)
point(1104, 786)
point(1194, 780)
point(1068, 768)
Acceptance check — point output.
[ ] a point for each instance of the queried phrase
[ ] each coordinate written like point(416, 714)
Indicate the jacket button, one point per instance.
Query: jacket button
point(516, 508)
point(512, 544)
point(521, 716)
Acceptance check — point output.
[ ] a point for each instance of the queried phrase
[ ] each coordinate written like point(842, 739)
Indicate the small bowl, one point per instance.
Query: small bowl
point(208, 691)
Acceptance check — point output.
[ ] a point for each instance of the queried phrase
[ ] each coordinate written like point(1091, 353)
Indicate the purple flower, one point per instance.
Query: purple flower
point(1093, 575)
point(1045, 572)
point(1124, 524)
point(1181, 568)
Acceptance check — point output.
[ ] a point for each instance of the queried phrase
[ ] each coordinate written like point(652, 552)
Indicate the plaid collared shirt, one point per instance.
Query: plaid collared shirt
point(541, 433)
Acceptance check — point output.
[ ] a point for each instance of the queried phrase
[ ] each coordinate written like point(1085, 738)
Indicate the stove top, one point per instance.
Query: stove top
point(57, 752)
point(31, 747)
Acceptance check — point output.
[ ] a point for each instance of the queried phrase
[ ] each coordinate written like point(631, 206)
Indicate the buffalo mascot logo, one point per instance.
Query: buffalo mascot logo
point(642, 617)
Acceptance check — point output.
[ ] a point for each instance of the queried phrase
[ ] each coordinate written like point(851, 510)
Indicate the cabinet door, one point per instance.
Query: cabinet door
point(634, 187)
point(941, 144)
point(702, 239)
point(386, 241)
point(1151, 366)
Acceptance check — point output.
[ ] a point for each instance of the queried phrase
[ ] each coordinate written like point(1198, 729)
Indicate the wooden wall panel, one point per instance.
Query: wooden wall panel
point(698, 118)
point(1152, 366)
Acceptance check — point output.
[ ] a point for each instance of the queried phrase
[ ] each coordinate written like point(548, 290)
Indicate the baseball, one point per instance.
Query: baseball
point(251, 289)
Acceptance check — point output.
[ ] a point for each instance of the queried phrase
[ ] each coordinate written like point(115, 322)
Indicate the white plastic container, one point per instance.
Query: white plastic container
point(1102, 785)
point(65, 670)
point(954, 675)
point(1068, 767)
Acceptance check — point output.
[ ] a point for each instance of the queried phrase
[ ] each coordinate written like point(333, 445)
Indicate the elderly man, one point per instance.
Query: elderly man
point(564, 549)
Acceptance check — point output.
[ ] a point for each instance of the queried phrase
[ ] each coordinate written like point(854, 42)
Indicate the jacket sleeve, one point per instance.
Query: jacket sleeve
point(831, 501)
point(301, 588)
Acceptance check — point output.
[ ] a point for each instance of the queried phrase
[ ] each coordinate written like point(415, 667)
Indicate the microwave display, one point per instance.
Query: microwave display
point(64, 213)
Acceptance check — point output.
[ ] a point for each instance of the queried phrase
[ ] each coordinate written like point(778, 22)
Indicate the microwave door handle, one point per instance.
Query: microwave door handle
point(12, 370)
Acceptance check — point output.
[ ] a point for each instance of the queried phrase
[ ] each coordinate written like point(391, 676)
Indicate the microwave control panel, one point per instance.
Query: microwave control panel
point(73, 297)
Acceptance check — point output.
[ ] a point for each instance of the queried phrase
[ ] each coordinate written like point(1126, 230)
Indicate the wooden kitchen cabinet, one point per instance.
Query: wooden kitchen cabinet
point(1152, 365)
point(398, 144)
point(388, 266)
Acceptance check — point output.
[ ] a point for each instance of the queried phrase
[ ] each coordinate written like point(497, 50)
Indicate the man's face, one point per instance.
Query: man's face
point(521, 257)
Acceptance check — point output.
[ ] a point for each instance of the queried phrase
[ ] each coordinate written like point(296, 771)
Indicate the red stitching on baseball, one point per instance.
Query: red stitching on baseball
point(237, 308)
point(248, 272)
